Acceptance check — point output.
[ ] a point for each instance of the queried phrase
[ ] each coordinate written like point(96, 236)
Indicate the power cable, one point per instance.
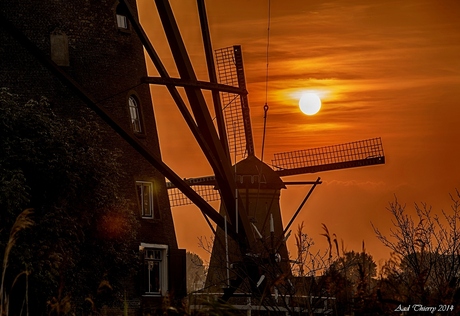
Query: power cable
point(266, 80)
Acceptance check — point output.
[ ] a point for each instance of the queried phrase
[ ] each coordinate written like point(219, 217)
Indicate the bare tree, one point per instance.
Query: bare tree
point(196, 272)
point(426, 255)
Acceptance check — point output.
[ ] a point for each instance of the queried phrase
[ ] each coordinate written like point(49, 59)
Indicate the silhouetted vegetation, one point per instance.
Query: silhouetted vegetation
point(422, 273)
point(196, 272)
point(425, 264)
point(79, 252)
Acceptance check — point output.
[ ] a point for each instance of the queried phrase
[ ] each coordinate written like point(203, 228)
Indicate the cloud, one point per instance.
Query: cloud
point(363, 185)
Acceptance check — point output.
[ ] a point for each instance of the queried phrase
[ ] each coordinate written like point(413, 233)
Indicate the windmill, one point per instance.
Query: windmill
point(259, 185)
point(249, 191)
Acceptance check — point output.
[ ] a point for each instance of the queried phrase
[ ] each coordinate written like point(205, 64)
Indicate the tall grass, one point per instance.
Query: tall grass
point(23, 221)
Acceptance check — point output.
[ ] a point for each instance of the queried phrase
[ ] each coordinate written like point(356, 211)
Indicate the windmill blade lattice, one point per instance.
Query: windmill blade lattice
point(229, 62)
point(349, 155)
point(204, 186)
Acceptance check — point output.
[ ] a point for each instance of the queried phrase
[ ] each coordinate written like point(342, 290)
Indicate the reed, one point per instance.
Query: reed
point(23, 221)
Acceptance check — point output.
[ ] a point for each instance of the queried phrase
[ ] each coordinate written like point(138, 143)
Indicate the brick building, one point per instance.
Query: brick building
point(93, 42)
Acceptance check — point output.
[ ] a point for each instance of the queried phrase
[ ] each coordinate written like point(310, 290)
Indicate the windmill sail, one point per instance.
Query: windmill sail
point(204, 186)
point(349, 155)
point(235, 107)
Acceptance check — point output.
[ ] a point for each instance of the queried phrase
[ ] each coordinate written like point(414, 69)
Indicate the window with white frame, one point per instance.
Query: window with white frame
point(133, 105)
point(145, 198)
point(155, 269)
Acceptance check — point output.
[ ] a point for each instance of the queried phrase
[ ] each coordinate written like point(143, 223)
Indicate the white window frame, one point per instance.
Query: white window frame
point(134, 113)
point(144, 247)
point(122, 21)
point(150, 213)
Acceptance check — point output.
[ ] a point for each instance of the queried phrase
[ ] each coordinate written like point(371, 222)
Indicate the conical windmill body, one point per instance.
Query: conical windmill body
point(259, 189)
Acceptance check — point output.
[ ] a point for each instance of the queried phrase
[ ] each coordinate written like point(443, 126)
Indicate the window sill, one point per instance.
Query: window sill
point(147, 217)
point(124, 31)
point(151, 219)
point(151, 295)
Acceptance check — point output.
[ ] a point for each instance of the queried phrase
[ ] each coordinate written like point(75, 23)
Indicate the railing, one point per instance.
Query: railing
point(284, 306)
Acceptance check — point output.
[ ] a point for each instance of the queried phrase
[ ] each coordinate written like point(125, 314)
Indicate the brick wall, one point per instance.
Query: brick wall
point(108, 63)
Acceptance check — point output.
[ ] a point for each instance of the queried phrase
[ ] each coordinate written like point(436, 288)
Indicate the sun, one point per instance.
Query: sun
point(309, 103)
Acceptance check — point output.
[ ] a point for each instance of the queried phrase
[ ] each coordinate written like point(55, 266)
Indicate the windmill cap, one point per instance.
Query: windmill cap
point(253, 173)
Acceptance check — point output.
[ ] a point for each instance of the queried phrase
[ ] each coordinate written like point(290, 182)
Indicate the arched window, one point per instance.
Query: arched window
point(122, 20)
point(133, 105)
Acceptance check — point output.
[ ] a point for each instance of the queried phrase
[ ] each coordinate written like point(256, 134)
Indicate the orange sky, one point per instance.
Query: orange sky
point(388, 69)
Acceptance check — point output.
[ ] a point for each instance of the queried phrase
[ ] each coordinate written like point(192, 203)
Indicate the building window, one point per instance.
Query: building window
point(145, 198)
point(122, 20)
point(155, 268)
point(59, 48)
point(133, 105)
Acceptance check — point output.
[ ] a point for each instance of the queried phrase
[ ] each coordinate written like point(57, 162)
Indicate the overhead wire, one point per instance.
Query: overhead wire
point(266, 79)
point(267, 51)
point(266, 102)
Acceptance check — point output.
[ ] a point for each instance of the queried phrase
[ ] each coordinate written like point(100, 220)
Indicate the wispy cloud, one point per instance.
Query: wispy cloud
point(386, 68)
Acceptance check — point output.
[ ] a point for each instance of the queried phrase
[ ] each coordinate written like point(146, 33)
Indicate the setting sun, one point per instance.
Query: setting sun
point(309, 103)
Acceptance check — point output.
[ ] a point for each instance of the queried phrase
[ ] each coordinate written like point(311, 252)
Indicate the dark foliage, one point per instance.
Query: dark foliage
point(83, 230)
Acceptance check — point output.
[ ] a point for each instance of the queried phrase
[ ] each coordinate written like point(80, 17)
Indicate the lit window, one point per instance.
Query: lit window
point(134, 114)
point(155, 269)
point(145, 198)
